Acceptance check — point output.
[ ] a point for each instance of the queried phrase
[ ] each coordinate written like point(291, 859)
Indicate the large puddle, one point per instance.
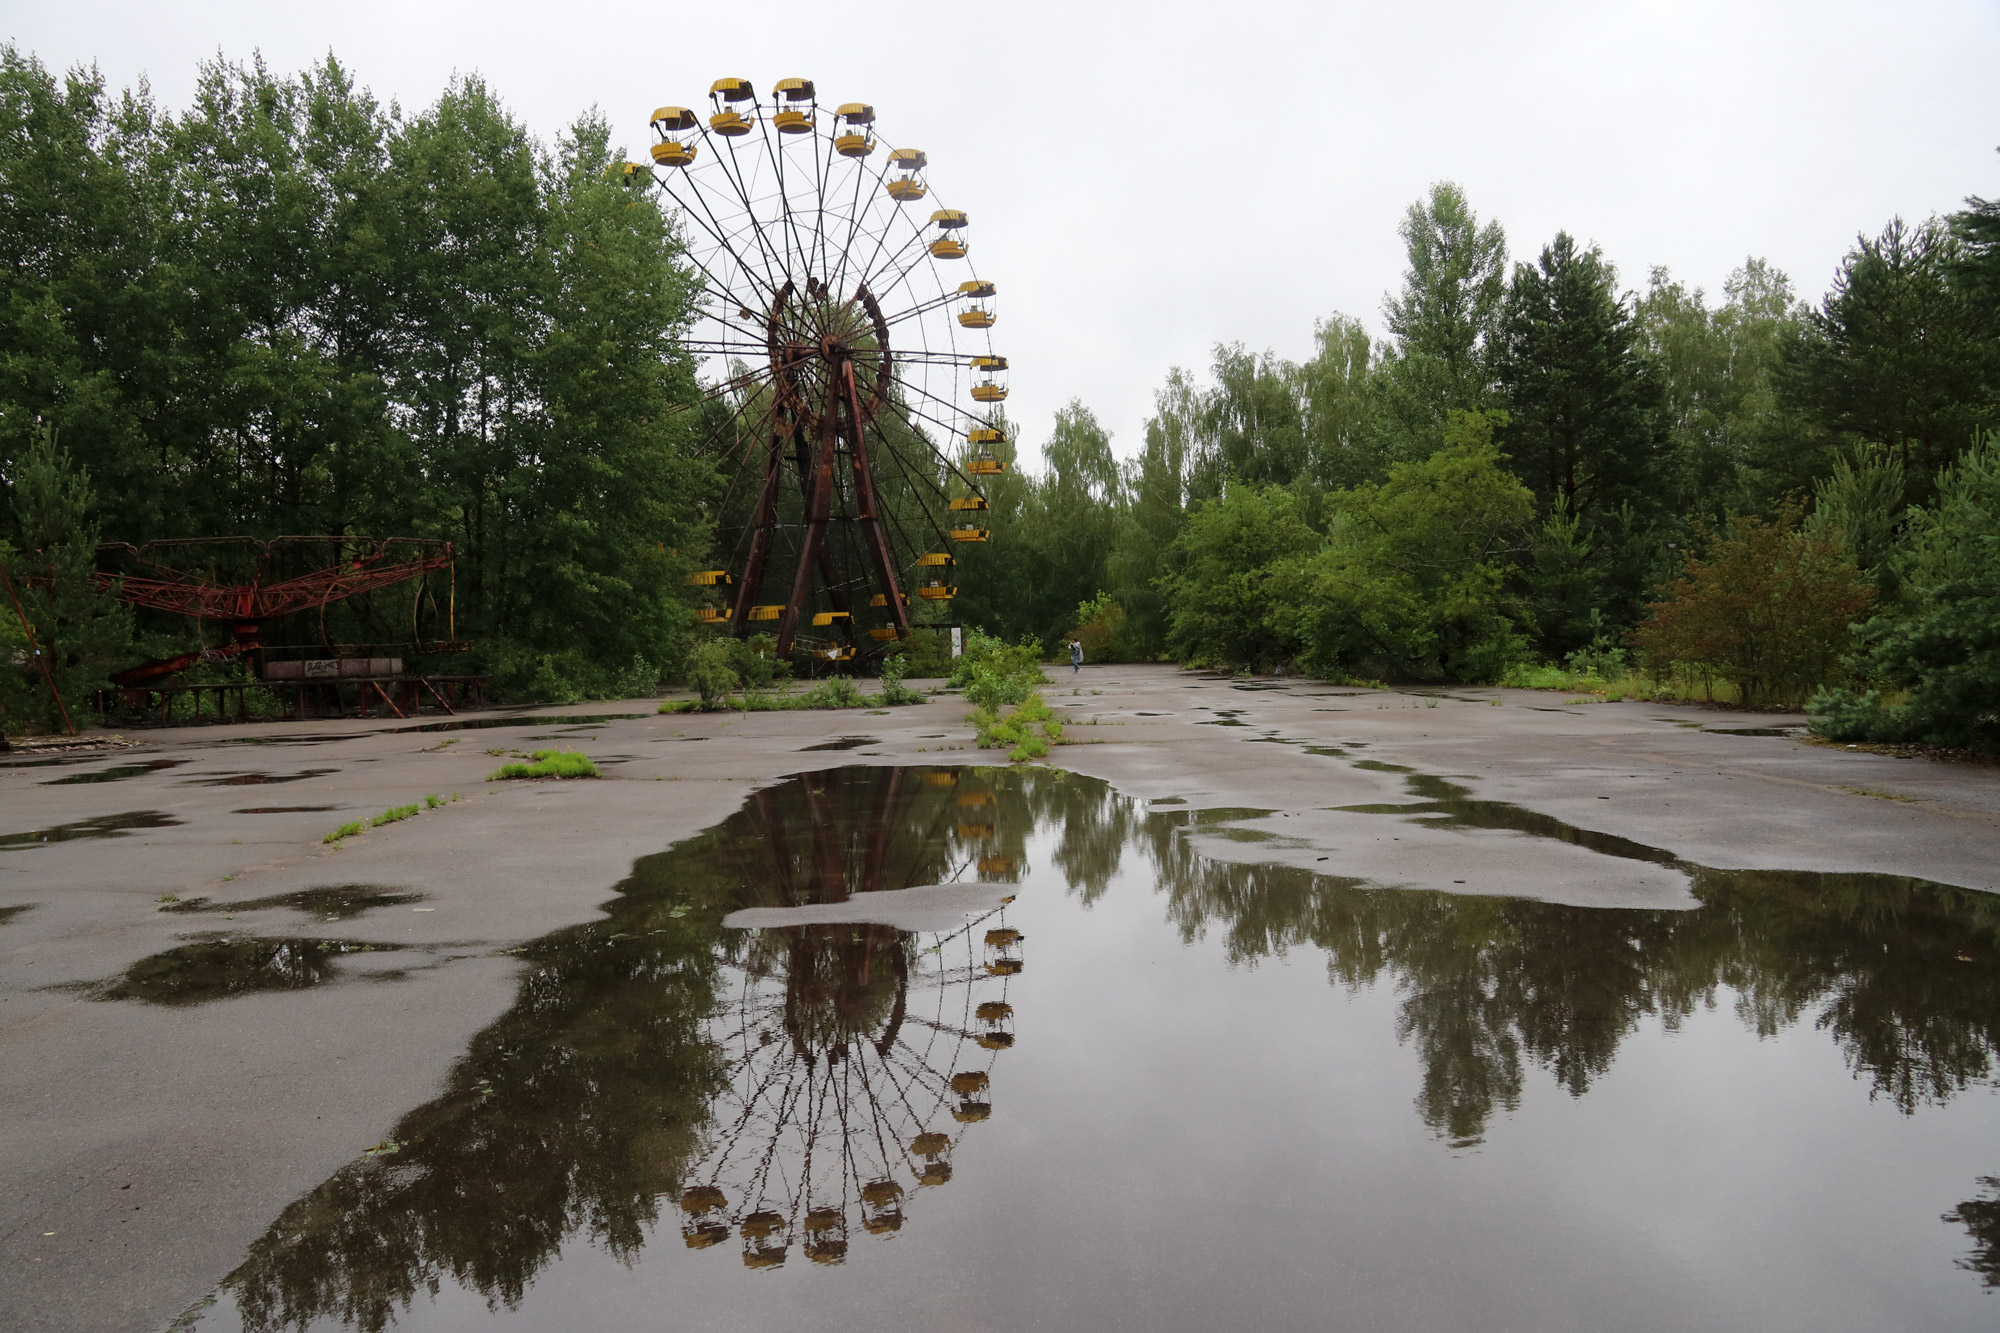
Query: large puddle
point(1105, 1081)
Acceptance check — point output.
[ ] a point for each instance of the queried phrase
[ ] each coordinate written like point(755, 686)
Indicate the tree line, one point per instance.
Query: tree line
point(1538, 465)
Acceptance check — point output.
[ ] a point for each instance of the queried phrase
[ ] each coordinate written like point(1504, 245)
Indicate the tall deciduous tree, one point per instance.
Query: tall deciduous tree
point(1340, 391)
point(1253, 426)
point(1411, 581)
point(1717, 367)
point(85, 346)
point(604, 509)
point(1156, 485)
point(1445, 317)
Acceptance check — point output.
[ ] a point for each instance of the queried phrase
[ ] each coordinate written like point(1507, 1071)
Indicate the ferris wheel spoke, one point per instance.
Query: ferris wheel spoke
point(723, 389)
point(901, 260)
point(791, 233)
point(943, 404)
point(822, 171)
point(944, 1028)
point(733, 173)
point(923, 307)
point(708, 223)
point(877, 1121)
point(854, 217)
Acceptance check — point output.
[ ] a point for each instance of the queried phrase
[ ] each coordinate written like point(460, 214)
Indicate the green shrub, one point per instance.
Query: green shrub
point(928, 651)
point(1934, 657)
point(756, 663)
point(996, 657)
point(548, 764)
point(1015, 732)
point(893, 690)
point(711, 672)
point(1767, 608)
point(1234, 588)
point(833, 692)
point(1100, 628)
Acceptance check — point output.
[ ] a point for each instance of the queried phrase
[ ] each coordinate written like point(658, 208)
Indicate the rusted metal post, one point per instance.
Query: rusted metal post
point(819, 501)
point(867, 503)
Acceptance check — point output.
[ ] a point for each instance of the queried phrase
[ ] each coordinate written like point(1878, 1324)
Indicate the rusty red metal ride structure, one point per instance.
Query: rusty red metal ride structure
point(165, 579)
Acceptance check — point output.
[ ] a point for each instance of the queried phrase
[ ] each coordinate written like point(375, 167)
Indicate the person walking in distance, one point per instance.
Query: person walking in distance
point(1075, 656)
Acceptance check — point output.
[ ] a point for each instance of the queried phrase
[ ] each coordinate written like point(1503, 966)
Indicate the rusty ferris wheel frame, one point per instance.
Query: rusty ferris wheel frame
point(841, 323)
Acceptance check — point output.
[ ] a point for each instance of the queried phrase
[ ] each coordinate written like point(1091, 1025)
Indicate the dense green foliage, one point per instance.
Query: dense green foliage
point(1411, 579)
point(289, 310)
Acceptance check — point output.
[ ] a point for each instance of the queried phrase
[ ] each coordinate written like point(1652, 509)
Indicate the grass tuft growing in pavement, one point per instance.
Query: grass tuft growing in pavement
point(548, 764)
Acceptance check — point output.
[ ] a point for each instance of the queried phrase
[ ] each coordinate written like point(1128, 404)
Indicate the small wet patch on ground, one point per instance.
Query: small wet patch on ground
point(331, 902)
point(258, 779)
point(842, 743)
point(117, 773)
point(485, 723)
point(98, 826)
point(209, 970)
point(284, 809)
point(1755, 731)
point(7, 914)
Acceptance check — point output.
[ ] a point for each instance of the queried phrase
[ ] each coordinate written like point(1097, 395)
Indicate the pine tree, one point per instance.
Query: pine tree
point(82, 633)
point(1583, 431)
point(1896, 354)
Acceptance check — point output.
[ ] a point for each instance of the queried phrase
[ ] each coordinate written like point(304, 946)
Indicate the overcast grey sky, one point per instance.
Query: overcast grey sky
point(1147, 180)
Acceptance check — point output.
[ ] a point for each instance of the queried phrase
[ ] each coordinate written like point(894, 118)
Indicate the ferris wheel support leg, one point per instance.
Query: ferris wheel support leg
point(760, 539)
point(817, 508)
point(829, 851)
point(870, 514)
point(878, 831)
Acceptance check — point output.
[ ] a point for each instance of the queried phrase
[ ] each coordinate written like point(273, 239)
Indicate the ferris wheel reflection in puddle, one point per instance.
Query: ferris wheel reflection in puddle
point(858, 1057)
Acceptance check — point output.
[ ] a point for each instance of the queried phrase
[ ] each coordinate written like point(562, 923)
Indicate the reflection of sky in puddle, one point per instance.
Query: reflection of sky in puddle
point(1167, 1091)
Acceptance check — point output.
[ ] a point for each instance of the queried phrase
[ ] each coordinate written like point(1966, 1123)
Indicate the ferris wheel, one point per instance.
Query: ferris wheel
point(845, 336)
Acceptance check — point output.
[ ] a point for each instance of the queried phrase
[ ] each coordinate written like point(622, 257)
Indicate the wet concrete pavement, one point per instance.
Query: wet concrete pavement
point(145, 1145)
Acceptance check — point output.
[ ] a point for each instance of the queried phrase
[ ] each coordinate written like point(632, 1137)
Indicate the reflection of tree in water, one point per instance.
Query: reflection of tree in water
point(1903, 974)
point(610, 1090)
point(1981, 1218)
point(656, 1062)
